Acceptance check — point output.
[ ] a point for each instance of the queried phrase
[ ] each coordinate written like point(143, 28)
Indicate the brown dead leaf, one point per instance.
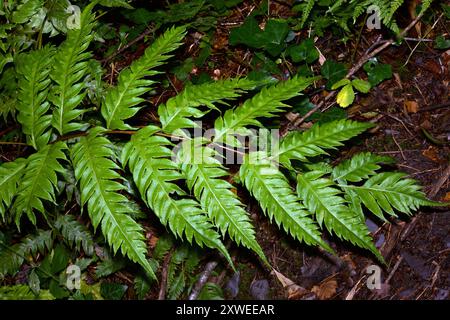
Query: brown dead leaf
point(326, 289)
point(293, 290)
point(431, 153)
point(411, 106)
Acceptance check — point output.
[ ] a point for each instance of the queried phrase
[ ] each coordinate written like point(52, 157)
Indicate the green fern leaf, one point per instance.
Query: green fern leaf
point(361, 166)
point(277, 199)
point(307, 11)
point(70, 66)
point(122, 101)
point(96, 174)
point(148, 158)
point(75, 233)
point(175, 112)
point(388, 190)
point(39, 181)
point(10, 175)
point(204, 176)
point(320, 197)
point(264, 104)
point(301, 145)
point(34, 69)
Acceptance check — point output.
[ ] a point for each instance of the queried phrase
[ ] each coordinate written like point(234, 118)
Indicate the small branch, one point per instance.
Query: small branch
point(164, 274)
point(129, 44)
point(202, 280)
point(13, 143)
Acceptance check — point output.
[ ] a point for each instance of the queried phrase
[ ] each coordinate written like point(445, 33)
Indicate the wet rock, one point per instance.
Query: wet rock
point(259, 289)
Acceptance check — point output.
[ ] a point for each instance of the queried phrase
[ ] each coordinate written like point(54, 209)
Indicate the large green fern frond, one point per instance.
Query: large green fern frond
point(264, 104)
point(154, 173)
point(39, 181)
point(122, 101)
point(10, 175)
point(204, 175)
point(70, 66)
point(388, 190)
point(277, 199)
point(100, 190)
point(34, 69)
point(175, 112)
point(313, 142)
point(325, 201)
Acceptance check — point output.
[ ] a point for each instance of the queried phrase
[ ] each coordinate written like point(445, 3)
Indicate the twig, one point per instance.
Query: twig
point(164, 273)
point(444, 178)
point(210, 266)
point(13, 143)
point(129, 44)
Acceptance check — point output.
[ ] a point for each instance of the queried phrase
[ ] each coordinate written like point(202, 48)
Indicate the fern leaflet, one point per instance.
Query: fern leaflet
point(96, 174)
point(121, 102)
point(10, 175)
point(39, 181)
point(70, 66)
point(34, 69)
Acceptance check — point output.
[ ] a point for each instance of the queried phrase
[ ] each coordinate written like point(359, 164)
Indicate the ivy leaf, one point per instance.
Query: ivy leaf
point(346, 96)
point(305, 51)
point(361, 85)
point(377, 72)
point(333, 72)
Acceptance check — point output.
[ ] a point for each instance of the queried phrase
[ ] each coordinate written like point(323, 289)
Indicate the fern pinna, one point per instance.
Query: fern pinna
point(186, 185)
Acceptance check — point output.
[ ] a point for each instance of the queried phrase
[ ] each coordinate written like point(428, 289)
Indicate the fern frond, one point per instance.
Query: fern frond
point(307, 11)
point(96, 174)
point(301, 145)
point(175, 112)
point(75, 233)
point(23, 292)
point(359, 167)
point(388, 190)
point(10, 175)
point(154, 173)
point(12, 257)
point(70, 66)
point(321, 197)
point(277, 199)
point(39, 181)
point(34, 69)
point(204, 177)
point(122, 101)
point(264, 104)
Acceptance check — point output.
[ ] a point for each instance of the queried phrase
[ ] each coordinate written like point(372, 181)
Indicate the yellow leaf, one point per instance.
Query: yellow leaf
point(346, 96)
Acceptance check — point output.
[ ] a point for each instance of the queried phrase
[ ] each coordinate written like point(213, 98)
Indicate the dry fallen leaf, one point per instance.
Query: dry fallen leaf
point(431, 153)
point(294, 291)
point(411, 106)
point(326, 289)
